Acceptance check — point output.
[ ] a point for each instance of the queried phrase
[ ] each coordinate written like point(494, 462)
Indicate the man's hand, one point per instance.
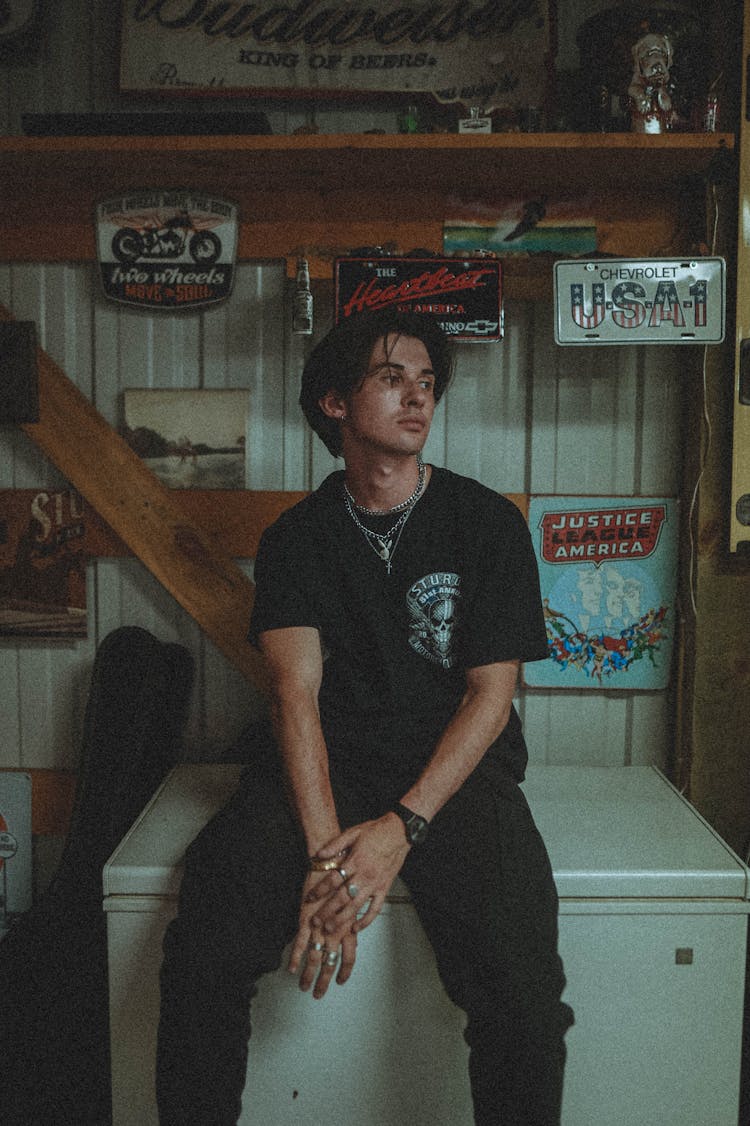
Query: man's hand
point(374, 855)
point(314, 951)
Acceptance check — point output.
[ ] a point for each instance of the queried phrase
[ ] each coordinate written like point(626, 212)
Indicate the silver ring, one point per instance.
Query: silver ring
point(353, 890)
point(316, 946)
point(331, 958)
point(343, 873)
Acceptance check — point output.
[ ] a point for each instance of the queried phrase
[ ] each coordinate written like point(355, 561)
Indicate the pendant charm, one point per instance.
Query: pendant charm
point(385, 544)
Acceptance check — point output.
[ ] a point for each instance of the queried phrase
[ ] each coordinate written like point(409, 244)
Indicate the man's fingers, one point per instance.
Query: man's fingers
point(348, 958)
point(314, 955)
point(297, 953)
point(329, 886)
point(343, 908)
point(371, 914)
point(327, 969)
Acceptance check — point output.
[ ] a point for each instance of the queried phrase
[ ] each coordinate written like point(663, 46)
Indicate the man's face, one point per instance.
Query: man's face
point(653, 58)
point(391, 411)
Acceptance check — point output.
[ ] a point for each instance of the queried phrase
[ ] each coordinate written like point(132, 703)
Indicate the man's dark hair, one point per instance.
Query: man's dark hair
point(340, 361)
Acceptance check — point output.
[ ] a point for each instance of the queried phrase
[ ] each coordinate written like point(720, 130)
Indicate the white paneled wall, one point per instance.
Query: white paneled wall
point(522, 416)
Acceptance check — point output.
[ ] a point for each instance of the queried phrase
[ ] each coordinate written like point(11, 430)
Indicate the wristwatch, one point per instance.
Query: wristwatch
point(415, 826)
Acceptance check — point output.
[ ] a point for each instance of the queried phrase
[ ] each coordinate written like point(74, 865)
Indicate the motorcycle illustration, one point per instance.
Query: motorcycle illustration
point(131, 244)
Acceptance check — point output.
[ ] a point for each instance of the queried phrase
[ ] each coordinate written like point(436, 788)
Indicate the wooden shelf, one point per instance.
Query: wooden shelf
point(325, 193)
point(323, 161)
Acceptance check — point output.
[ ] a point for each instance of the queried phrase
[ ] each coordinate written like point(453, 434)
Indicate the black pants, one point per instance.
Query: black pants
point(482, 887)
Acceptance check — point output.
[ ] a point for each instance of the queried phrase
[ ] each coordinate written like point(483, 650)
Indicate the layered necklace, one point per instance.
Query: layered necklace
point(384, 544)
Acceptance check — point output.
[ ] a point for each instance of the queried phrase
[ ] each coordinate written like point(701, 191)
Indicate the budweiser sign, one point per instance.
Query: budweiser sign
point(601, 535)
point(464, 296)
point(489, 53)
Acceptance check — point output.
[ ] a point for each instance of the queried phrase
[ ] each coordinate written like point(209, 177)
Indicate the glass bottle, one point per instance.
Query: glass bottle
point(302, 307)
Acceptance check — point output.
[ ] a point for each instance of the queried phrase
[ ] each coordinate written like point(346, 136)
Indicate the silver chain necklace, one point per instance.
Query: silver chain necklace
point(397, 507)
point(384, 544)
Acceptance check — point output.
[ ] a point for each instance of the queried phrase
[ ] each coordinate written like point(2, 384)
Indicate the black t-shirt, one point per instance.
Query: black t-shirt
point(463, 592)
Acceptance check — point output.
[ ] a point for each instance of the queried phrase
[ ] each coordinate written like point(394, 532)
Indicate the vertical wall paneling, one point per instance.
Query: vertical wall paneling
point(669, 376)
point(258, 334)
point(576, 728)
point(10, 711)
point(299, 347)
point(485, 423)
point(522, 416)
point(651, 729)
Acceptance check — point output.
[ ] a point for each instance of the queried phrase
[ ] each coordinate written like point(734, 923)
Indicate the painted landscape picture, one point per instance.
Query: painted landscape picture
point(520, 225)
point(189, 439)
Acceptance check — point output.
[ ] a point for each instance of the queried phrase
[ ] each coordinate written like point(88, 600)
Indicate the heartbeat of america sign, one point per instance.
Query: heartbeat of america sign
point(488, 53)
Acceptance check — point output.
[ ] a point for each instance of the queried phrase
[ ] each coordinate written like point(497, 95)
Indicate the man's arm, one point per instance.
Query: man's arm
point(295, 664)
point(481, 717)
point(374, 847)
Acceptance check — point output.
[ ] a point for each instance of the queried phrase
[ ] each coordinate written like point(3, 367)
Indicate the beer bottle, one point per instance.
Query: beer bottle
point(302, 309)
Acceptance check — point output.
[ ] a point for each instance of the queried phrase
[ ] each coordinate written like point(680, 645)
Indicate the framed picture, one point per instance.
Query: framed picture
point(42, 564)
point(189, 439)
point(488, 55)
point(530, 224)
point(608, 573)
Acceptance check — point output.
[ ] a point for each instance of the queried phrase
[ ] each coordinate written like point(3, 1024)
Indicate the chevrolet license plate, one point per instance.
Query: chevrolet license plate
point(640, 301)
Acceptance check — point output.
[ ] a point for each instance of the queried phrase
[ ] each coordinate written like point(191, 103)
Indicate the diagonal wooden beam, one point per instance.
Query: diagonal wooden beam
point(233, 519)
point(145, 514)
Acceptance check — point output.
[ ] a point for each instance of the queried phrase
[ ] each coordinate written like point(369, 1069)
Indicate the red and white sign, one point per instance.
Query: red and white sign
point(601, 535)
point(464, 295)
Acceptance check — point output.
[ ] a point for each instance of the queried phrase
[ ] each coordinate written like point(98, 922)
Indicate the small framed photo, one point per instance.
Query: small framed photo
point(189, 439)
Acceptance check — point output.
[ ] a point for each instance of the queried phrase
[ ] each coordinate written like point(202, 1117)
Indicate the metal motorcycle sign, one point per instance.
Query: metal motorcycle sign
point(166, 249)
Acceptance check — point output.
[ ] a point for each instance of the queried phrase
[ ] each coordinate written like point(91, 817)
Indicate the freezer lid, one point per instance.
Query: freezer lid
point(148, 859)
point(611, 832)
point(621, 832)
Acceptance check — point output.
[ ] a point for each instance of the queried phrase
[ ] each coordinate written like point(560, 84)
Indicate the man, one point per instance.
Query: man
point(393, 607)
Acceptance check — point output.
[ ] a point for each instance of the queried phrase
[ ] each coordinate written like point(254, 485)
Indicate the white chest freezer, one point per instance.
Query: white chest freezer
point(653, 918)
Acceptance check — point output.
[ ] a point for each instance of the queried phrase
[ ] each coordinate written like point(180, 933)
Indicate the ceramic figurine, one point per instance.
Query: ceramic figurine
point(650, 90)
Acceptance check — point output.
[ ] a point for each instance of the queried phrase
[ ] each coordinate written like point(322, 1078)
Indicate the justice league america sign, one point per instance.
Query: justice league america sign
point(490, 54)
point(608, 575)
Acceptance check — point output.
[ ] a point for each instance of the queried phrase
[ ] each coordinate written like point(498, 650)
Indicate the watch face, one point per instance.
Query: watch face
point(414, 825)
point(417, 829)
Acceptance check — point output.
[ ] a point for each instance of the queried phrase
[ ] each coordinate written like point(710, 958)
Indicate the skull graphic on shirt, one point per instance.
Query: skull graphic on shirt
point(433, 604)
